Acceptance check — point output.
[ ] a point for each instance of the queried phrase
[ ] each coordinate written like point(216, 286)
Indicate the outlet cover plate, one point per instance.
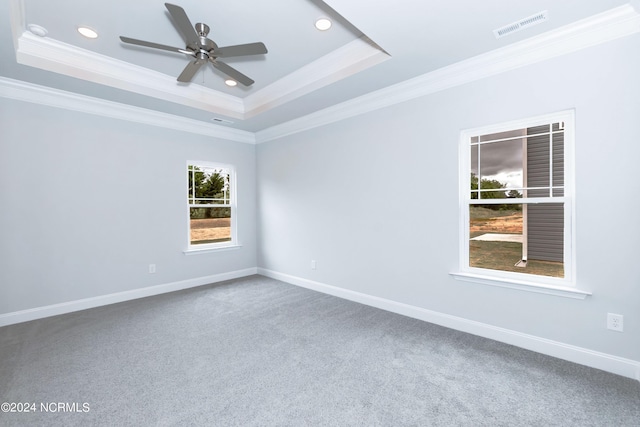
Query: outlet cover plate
point(615, 322)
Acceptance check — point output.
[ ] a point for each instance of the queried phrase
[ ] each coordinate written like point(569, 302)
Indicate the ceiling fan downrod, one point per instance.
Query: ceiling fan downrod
point(202, 29)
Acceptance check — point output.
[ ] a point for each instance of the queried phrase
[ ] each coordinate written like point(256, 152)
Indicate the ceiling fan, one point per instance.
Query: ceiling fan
point(202, 49)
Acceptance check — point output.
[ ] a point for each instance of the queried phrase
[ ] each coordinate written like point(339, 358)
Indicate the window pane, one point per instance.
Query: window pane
point(503, 135)
point(209, 185)
point(195, 177)
point(538, 166)
point(501, 168)
point(497, 241)
point(538, 129)
point(558, 160)
point(474, 171)
point(210, 225)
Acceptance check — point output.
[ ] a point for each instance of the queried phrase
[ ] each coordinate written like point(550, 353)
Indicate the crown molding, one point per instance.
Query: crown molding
point(52, 55)
point(62, 58)
point(610, 25)
point(17, 20)
point(42, 95)
point(349, 59)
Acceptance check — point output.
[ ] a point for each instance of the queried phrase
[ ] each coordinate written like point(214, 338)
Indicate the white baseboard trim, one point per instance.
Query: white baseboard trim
point(86, 303)
point(606, 362)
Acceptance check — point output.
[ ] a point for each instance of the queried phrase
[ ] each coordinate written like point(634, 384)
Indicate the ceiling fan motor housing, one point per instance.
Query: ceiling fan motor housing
point(205, 47)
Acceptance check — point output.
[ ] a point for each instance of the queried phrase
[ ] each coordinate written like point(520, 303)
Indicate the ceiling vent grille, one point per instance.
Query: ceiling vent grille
point(529, 21)
point(221, 121)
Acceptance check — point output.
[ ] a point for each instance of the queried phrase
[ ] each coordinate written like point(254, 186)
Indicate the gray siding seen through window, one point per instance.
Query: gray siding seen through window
point(545, 222)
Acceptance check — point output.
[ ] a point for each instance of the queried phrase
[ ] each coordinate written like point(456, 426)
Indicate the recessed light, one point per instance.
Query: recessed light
point(231, 83)
point(37, 30)
point(88, 32)
point(323, 24)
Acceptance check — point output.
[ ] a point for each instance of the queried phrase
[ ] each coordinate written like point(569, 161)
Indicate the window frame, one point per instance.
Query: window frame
point(209, 247)
point(525, 281)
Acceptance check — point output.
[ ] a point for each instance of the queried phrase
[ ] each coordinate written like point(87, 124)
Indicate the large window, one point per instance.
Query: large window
point(212, 206)
point(517, 200)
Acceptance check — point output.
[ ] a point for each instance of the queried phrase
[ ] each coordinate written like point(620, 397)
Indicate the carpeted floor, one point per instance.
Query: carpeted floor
point(258, 352)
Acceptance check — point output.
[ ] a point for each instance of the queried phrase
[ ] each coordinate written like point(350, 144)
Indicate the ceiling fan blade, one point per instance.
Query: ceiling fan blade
point(153, 45)
point(241, 50)
point(190, 70)
point(232, 72)
point(183, 23)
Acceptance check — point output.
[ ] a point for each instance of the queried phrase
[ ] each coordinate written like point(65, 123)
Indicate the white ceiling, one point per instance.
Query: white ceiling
point(371, 46)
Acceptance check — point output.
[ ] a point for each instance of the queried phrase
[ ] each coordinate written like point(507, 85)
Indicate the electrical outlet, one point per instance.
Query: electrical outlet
point(313, 264)
point(615, 322)
point(152, 268)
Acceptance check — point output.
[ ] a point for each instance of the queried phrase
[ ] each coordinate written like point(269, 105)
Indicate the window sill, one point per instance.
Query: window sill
point(561, 291)
point(198, 251)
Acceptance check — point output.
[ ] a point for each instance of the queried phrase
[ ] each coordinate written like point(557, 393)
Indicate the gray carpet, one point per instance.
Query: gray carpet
point(258, 352)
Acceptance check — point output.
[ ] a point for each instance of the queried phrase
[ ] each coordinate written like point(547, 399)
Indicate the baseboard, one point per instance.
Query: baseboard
point(606, 362)
point(83, 304)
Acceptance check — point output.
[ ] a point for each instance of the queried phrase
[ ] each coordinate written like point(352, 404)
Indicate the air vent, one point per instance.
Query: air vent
point(221, 121)
point(538, 18)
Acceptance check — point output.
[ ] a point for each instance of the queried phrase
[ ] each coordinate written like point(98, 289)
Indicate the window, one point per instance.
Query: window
point(212, 206)
point(517, 201)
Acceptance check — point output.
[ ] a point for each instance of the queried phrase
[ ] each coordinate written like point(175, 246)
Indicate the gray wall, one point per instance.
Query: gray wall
point(87, 203)
point(374, 199)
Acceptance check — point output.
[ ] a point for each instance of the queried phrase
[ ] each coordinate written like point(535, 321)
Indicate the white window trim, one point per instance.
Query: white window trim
point(214, 247)
point(548, 285)
point(198, 251)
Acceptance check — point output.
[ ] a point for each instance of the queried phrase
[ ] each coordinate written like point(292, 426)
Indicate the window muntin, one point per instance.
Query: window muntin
point(211, 202)
point(516, 217)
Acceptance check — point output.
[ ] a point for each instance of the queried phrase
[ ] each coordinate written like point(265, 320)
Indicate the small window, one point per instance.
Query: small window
point(212, 206)
point(517, 193)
